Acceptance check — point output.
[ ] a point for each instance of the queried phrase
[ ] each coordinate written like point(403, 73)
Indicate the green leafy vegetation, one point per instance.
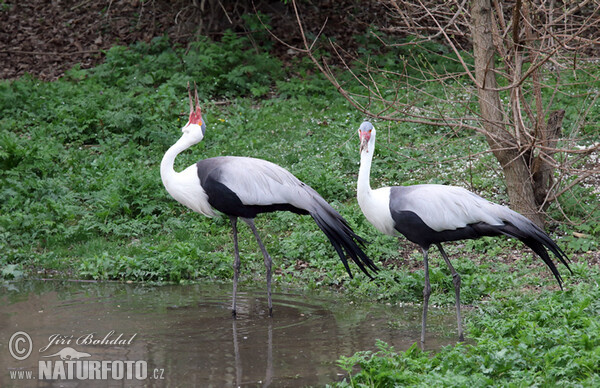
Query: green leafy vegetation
point(81, 197)
point(522, 339)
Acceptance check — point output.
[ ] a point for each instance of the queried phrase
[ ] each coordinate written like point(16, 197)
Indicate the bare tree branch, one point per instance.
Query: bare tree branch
point(534, 44)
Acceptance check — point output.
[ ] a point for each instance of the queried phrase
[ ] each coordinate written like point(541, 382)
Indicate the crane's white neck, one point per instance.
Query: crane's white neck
point(363, 189)
point(185, 186)
point(167, 171)
point(375, 204)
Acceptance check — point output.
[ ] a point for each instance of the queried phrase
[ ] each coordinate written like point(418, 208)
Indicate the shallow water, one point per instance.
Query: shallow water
point(186, 337)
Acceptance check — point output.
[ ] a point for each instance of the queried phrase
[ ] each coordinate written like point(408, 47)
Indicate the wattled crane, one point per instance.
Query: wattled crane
point(430, 214)
point(243, 187)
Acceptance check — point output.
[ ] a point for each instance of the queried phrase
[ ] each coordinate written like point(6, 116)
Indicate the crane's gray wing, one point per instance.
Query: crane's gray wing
point(246, 186)
point(259, 182)
point(447, 207)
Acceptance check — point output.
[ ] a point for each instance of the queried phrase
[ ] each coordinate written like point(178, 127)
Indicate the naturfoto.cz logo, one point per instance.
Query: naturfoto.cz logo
point(69, 363)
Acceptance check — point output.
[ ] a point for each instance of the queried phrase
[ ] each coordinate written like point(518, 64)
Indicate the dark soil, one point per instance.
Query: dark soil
point(45, 38)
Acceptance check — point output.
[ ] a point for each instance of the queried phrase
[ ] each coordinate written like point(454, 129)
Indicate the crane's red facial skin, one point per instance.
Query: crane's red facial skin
point(195, 115)
point(365, 136)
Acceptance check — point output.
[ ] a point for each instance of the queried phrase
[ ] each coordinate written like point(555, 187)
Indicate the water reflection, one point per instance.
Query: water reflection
point(187, 336)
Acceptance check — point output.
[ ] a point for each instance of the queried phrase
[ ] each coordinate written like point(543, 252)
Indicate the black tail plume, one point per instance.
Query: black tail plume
point(343, 239)
point(536, 239)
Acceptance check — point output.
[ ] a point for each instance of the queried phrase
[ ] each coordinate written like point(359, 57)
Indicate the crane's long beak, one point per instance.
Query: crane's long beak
point(196, 97)
point(364, 140)
point(190, 95)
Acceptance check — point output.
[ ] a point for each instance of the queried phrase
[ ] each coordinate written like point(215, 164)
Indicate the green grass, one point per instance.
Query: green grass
point(81, 197)
point(521, 339)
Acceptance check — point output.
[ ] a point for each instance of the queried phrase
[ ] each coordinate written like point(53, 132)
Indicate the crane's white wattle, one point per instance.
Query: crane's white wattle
point(184, 186)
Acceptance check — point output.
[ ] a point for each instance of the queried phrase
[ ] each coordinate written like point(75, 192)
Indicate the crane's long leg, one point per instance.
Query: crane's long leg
point(236, 352)
point(236, 263)
point(426, 293)
point(268, 261)
point(456, 281)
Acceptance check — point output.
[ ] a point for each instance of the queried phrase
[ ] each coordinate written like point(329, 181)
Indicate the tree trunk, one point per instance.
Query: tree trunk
point(542, 167)
point(502, 143)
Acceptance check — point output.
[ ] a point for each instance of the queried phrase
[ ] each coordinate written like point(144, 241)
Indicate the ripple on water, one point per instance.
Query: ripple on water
point(187, 331)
